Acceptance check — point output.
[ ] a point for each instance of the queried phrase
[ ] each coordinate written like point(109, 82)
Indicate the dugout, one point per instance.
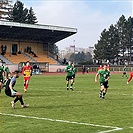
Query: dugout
point(40, 38)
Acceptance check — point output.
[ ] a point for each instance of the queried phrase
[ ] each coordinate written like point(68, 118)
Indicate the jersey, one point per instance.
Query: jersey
point(1, 72)
point(131, 75)
point(100, 68)
point(68, 70)
point(108, 68)
point(74, 71)
point(6, 69)
point(12, 81)
point(124, 70)
point(26, 71)
point(104, 74)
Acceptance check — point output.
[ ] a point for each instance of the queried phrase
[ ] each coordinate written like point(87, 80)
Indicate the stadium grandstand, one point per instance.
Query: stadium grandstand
point(20, 42)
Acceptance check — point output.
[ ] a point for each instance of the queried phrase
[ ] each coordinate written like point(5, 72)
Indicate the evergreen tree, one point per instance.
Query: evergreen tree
point(18, 13)
point(31, 18)
point(121, 26)
point(129, 36)
point(21, 14)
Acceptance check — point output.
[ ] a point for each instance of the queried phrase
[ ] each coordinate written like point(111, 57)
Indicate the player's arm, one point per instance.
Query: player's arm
point(11, 88)
point(96, 77)
point(23, 71)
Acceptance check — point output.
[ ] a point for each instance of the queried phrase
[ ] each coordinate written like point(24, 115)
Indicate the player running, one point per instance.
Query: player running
point(9, 91)
point(27, 73)
point(1, 77)
point(124, 72)
point(74, 72)
point(104, 77)
point(131, 76)
point(69, 77)
point(100, 68)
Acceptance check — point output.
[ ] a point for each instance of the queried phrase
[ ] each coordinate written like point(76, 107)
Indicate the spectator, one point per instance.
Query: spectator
point(83, 69)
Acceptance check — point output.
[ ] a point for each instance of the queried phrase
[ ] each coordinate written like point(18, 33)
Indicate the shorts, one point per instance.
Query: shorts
point(8, 92)
point(105, 84)
point(1, 80)
point(69, 78)
point(124, 73)
point(26, 78)
point(73, 76)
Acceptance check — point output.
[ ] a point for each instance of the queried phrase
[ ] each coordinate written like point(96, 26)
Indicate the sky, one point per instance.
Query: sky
point(90, 17)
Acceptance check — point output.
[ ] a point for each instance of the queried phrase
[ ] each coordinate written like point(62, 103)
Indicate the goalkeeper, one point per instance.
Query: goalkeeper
point(9, 91)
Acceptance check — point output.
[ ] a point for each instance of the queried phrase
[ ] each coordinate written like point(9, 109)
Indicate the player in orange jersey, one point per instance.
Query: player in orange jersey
point(131, 76)
point(27, 73)
point(100, 68)
point(108, 67)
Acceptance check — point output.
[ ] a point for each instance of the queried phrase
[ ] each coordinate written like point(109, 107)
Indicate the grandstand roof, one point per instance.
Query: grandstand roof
point(34, 32)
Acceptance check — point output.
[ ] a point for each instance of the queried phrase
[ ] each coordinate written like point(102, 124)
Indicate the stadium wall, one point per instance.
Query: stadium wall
point(21, 46)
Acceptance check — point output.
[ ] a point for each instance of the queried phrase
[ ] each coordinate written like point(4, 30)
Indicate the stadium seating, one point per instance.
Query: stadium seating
point(15, 59)
point(42, 58)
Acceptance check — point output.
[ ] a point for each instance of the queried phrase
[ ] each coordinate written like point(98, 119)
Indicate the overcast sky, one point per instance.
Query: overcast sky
point(90, 17)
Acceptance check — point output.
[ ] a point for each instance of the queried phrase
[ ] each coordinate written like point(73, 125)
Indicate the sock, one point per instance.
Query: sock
point(26, 86)
point(71, 85)
point(16, 99)
point(21, 101)
point(67, 85)
point(100, 93)
point(104, 93)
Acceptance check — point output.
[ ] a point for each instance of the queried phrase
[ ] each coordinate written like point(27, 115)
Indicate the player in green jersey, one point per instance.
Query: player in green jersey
point(104, 76)
point(1, 76)
point(74, 72)
point(124, 72)
point(69, 77)
point(6, 69)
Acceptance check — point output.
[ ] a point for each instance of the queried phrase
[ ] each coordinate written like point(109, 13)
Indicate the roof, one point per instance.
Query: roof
point(34, 32)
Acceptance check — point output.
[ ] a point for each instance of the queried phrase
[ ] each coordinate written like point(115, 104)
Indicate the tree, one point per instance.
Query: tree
point(121, 26)
point(101, 47)
point(129, 36)
point(18, 13)
point(80, 57)
point(115, 41)
point(21, 14)
point(31, 18)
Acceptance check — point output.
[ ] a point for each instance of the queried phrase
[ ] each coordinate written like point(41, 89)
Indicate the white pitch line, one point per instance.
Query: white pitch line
point(65, 121)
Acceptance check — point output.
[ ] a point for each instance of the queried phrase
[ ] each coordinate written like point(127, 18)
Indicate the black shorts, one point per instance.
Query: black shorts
point(1, 80)
point(124, 73)
point(69, 78)
point(105, 84)
point(73, 76)
point(8, 92)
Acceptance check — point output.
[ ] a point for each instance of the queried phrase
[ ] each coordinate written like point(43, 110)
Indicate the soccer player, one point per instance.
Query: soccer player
point(6, 69)
point(69, 77)
point(100, 68)
point(27, 73)
point(124, 72)
point(108, 67)
point(74, 72)
point(9, 91)
point(1, 77)
point(104, 77)
point(131, 75)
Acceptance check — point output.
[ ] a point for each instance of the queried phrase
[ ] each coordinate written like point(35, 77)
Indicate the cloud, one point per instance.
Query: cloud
point(88, 17)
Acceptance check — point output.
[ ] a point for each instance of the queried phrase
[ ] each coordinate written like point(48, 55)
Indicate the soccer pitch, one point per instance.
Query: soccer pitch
point(53, 109)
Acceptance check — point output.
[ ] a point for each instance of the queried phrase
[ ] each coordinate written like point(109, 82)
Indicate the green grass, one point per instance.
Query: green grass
point(50, 101)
